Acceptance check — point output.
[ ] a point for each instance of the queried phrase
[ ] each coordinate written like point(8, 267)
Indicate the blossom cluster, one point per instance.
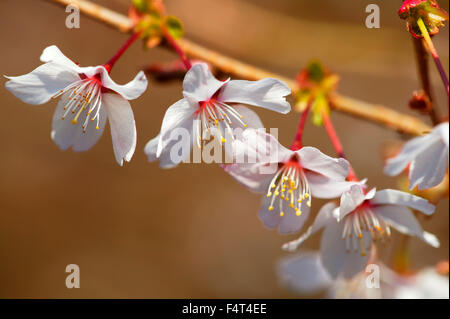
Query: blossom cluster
point(289, 179)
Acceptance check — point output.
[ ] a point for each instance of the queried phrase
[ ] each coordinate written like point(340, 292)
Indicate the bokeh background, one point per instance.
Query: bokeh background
point(142, 232)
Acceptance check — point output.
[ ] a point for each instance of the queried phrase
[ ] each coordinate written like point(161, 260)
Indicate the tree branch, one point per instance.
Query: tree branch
point(375, 113)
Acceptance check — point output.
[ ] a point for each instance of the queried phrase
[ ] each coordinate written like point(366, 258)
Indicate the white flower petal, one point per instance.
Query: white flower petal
point(256, 156)
point(164, 159)
point(130, 91)
point(54, 55)
point(314, 160)
point(402, 219)
point(38, 86)
point(324, 216)
point(351, 199)
point(176, 114)
point(151, 148)
point(290, 223)
point(266, 146)
point(396, 197)
point(123, 126)
point(427, 284)
point(250, 118)
point(370, 194)
point(442, 130)
point(429, 168)
point(411, 150)
point(167, 158)
point(336, 259)
point(267, 93)
point(398, 164)
point(324, 187)
point(250, 176)
point(430, 239)
point(66, 134)
point(84, 141)
point(304, 273)
point(253, 168)
point(200, 84)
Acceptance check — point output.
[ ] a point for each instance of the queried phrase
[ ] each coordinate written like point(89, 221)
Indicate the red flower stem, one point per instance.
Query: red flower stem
point(337, 143)
point(433, 52)
point(439, 66)
point(298, 144)
point(423, 71)
point(173, 43)
point(108, 65)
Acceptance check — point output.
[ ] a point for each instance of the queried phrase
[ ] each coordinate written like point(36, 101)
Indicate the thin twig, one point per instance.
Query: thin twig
point(376, 113)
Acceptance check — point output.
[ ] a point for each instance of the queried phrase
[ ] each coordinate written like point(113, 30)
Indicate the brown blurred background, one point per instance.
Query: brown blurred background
point(143, 232)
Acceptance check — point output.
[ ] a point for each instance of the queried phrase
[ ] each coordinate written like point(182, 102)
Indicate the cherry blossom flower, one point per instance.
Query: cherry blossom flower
point(426, 284)
point(299, 175)
point(88, 97)
point(361, 219)
point(427, 156)
point(207, 108)
point(305, 274)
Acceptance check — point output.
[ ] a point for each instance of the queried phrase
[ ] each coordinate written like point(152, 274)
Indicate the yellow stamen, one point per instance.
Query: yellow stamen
point(75, 119)
point(363, 249)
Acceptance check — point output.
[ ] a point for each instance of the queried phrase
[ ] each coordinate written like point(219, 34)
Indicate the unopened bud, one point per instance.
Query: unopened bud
point(429, 11)
point(420, 102)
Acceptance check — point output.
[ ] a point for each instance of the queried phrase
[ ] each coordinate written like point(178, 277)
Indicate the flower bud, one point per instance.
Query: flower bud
point(420, 102)
point(432, 15)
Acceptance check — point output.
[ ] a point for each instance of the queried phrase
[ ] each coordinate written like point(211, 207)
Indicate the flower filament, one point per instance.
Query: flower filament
point(289, 187)
point(84, 99)
point(216, 117)
point(361, 220)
